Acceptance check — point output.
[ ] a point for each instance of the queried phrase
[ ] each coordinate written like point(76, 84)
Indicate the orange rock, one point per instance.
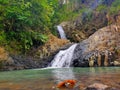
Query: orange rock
point(3, 54)
point(67, 84)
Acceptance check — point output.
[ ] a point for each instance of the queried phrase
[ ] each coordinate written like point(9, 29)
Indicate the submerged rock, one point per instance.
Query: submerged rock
point(97, 86)
point(66, 84)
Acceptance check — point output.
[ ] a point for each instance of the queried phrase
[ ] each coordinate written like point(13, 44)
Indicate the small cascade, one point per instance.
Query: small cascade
point(64, 57)
point(61, 32)
point(64, 1)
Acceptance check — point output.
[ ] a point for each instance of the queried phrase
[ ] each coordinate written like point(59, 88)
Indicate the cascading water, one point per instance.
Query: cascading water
point(61, 32)
point(64, 1)
point(64, 57)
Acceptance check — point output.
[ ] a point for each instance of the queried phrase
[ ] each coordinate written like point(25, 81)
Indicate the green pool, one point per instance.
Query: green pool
point(46, 79)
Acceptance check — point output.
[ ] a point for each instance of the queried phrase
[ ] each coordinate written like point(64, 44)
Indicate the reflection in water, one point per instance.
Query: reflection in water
point(96, 70)
point(60, 74)
point(92, 70)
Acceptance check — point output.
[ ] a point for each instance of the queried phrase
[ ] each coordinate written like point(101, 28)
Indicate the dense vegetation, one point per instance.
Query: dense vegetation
point(26, 23)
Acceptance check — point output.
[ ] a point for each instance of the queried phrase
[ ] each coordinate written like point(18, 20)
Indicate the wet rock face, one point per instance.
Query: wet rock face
point(100, 49)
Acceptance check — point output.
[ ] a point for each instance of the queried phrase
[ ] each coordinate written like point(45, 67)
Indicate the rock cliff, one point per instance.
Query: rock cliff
point(100, 49)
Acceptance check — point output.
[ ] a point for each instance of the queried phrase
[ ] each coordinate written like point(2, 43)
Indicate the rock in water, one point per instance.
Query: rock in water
point(97, 86)
point(66, 84)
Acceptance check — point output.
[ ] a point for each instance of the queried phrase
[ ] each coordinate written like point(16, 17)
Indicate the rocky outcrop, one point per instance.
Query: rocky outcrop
point(5, 59)
point(72, 33)
point(52, 45)
point(100, 49)
point(84, 25)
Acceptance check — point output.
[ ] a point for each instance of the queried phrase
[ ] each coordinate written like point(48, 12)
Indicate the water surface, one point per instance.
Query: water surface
point(45, 79)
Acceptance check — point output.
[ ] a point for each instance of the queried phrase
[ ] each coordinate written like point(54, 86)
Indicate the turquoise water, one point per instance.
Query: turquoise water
point(46, 79)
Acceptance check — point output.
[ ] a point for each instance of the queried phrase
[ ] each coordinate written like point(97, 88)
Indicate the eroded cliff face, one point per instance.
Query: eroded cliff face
point(85, 25)
point(100, 49)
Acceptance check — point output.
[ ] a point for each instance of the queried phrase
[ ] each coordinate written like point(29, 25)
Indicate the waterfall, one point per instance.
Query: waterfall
point(64, 1)
point(64, 57)
point(61, 32)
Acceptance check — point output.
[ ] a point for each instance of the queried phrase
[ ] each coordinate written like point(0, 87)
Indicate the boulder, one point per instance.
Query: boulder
point(100, 49)
point(97, 86)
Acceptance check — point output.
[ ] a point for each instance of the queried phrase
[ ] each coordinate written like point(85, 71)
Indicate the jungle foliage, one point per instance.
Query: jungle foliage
point(26, 23)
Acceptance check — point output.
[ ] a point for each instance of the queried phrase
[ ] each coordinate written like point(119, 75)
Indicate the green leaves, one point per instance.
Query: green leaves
point(2, 37)
point(115, 7)
point(4, 2)
point(39, 37)
point(102, 8)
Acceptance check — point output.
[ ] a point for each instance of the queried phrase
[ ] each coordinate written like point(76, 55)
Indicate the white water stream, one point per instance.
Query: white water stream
point(63, 58)
point(61, 32)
